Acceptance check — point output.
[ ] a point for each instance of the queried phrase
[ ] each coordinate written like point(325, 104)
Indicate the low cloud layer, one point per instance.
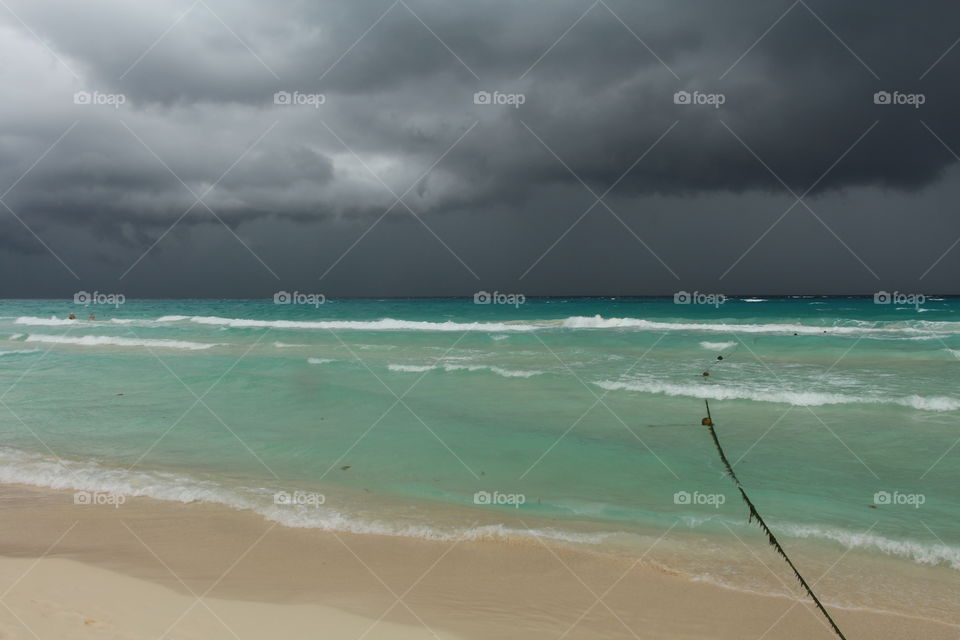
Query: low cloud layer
point(216, 148)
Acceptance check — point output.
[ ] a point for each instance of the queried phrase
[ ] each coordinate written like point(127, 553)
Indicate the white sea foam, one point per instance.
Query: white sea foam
point(717, 346)
point(285, 345)
point(933, 403)
point(508, 373)
point(753, 300)
point(500, 371)
point(19, 467)
point(93, 341)
point(796, 398)
point(320, 360)
point(410, 368)
point(52, 321)
point(854, 328)
point(15, 352)
point(22, 468)
point(919, 552)
point(385, 324)
point(851, 327)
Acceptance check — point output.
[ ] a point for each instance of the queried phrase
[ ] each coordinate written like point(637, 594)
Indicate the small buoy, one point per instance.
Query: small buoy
point(719, 357)
point(706, 373)
point(707, 422)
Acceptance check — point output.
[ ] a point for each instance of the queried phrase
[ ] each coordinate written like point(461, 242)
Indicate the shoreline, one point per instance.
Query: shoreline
point(871, 577)
point(468, 589)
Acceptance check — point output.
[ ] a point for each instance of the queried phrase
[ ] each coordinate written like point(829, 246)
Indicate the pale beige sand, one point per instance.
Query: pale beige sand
point(129, 572)
point(55, 598)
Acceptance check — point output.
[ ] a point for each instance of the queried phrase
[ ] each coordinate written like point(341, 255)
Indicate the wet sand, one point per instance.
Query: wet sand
point(131, 572)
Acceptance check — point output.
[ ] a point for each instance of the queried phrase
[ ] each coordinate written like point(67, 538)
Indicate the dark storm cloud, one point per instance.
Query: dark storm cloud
point(598, 81)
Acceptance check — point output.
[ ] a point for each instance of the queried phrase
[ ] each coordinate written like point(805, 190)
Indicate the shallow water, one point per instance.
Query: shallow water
point(580, 416)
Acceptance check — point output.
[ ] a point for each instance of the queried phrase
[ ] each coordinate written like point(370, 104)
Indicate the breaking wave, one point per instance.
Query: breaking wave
point(796, 398)
point(93, 341)
point(500, 371)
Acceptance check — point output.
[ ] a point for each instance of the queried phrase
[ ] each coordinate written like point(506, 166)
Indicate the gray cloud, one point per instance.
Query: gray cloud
point(198, 82)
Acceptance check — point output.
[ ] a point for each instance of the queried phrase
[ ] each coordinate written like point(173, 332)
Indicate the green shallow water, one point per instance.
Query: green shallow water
point(586, 410)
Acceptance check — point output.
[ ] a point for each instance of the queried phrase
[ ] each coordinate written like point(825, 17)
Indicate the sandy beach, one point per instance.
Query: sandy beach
point(149, 569)
point(417, 320)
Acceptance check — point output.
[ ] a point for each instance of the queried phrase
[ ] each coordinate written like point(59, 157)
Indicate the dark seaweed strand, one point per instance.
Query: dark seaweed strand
point(755, 515)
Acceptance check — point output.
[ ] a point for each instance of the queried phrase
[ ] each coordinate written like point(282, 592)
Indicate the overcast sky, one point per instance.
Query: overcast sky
point(231, 148)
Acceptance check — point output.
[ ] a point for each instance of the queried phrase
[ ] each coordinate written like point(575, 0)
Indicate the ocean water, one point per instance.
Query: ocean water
point(573, 420)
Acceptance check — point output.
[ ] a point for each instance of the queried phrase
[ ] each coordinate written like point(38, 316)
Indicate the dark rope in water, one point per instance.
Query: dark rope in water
point(755, 515)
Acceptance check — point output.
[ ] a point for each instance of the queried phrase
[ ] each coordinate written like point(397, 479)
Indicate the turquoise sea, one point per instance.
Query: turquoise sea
point(575, 421)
